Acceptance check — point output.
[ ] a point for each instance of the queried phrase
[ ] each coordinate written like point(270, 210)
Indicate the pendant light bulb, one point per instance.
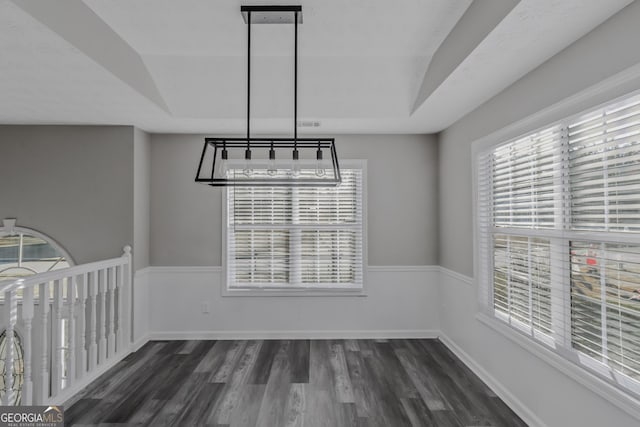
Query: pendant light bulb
point(272, 170)
point(319, 164)
point(223, 166)
point(295, 166)
point(248, 163)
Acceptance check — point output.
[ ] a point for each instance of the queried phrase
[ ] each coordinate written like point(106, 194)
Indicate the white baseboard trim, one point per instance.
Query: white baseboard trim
point(137, 345)
point(500, 390)
point(246, 335)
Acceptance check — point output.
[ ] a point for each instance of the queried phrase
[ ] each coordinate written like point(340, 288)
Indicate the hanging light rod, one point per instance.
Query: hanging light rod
point(305, 162)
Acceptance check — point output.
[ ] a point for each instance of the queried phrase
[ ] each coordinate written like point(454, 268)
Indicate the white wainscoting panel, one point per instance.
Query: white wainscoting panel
point(141, 306)
point(187, 303)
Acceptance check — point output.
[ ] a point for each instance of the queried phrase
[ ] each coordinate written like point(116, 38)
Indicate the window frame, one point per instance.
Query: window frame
point(585, 370)
point(8, 228)
point(360, 291)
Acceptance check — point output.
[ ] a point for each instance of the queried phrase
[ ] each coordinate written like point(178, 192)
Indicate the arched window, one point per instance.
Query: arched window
point(24, 252)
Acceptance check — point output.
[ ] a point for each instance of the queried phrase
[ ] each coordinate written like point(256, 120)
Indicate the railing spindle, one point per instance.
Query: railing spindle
point(27, 318)
point(11, 318)
point(81, 359)
point(93, 343)
point(43, 389)
point(71, 352)
point(56, 337)
point(111, 339)
point(102, 289)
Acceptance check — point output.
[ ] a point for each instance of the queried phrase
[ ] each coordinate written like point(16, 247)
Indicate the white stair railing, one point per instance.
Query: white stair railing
point(73, 324)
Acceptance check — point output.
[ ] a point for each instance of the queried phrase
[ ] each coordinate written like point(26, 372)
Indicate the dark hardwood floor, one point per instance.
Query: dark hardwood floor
point(291, 383)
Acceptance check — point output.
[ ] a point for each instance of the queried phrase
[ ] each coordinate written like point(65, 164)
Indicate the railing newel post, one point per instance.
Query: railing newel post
point(128, 304)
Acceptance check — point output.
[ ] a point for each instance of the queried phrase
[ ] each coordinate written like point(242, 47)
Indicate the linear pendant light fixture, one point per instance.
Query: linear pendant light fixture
point(288, 162)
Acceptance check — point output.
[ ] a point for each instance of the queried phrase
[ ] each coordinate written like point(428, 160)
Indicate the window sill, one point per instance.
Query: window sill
point(618, 397)
point(306, 292)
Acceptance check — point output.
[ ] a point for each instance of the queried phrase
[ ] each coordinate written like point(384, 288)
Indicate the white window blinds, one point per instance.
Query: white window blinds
point(523, 181)
point(604, 161)
point(559, 244)
point(300, 237)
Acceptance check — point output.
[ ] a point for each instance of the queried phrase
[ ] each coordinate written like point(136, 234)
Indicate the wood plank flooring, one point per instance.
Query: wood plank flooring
point(290, 383)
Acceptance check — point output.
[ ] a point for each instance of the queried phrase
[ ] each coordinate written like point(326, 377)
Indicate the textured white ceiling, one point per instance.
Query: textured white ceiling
point(360, 68)
point(359, 59)
point(330, 28)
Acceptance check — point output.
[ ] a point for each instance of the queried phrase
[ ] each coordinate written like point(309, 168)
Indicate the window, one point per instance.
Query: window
point(559, 238)
point(293, 238)
point(24, 252)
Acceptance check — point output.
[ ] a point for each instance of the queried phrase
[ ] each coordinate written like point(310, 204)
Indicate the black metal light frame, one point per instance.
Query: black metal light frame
point(219, 144)
point(269, 15)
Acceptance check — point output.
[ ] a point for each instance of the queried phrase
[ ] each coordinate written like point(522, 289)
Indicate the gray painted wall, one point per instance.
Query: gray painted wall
point(608, 50)
point(141, 197)
point(402, 200)
point(73, 183)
